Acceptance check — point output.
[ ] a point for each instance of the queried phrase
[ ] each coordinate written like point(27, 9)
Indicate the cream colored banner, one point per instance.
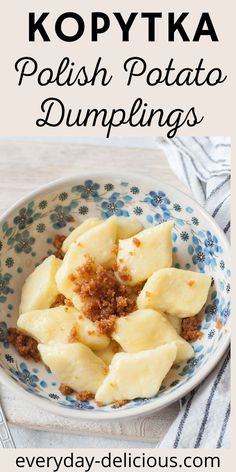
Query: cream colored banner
point(21, 105)
point(95, 460)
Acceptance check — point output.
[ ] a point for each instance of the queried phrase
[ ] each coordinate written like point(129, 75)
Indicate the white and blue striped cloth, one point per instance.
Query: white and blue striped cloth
point(203, 164)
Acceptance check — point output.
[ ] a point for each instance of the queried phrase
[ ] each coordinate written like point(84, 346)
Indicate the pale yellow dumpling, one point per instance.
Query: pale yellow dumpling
point(133, 375)
point(77, 232)
point(98, 242)
point(147, 329)
point(145, 253)
point(178, 292)
point(40, 289)
point(175, 322)
point(74, 365)
point(89, 334)
point(54, 325)
point(49, 326)
point(108, 353)
point(74, 258)
point(128, 227)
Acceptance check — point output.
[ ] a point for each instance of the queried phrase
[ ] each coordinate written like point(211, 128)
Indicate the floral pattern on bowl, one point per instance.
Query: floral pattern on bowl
point(26, 236)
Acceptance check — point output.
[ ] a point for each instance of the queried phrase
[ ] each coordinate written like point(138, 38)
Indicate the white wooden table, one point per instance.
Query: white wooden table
point(24, 166)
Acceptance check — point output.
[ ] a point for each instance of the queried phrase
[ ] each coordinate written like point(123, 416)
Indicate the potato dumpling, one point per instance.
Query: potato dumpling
point(49, 326)
point(54, 325)
point(108, 353)
point(89, 334)
point(40, 289)
point(177, 292)
point(133, 375)
point(128, 227)
point(175, 322)
point(74, 258)
point(140, 256)
point(98, 242)
point(74, 365)
point(81, 229)
point(147, 329)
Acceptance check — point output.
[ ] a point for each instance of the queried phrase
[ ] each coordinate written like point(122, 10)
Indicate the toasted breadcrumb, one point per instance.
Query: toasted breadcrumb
point(189, 328)
point(124, 274)
point(65, 390)
point(73, 336)
point(84, 396)
point(104, 296)
point(57, 243)
point(136, 242)
point(25, 345)
point(119, 403)
point(59, 300)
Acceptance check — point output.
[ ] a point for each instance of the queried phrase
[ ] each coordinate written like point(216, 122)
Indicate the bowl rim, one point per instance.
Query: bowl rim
point(160, 402)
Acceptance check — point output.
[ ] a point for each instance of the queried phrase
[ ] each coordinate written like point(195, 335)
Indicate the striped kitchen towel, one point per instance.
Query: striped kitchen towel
point(203, 164)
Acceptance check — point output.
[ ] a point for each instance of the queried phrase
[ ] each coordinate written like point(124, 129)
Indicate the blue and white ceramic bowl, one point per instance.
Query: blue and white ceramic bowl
point(26, 235)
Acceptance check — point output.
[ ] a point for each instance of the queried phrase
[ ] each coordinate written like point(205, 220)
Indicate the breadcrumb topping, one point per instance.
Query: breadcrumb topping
point(25, 345)
point(61, 300)
point(65, 390)
point(136, 242)
point(189, 329)
point(57, 243)
point(104, 296)
point(84, 396)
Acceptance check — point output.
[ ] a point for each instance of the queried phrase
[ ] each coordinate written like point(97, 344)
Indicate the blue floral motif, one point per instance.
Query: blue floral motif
point(134, 190)
point(138, 210)
point(195, 221)
point(108, 187)
point(4, 286)
point(222, 265)
point(177, 207)
point(43, 204)
point(158, 199)
point(9, 262)
point(225, 313)
point(4, 334)
point(184, 235)
point(9, 358)
point(83, 210)
point(53, 396)
point(212, 310)
point(201, 258)
point(193, 363)
point(114, 206)
point(161, 201)
point(61, 216)
point(79, 405)
point(24, 218)
point(24, 242)
point(211, 244)
point(89, 189)
point(63, 196)
point(211, 334)
point(25, 377)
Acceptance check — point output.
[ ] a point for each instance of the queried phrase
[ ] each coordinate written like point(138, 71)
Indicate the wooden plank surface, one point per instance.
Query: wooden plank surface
point(24, 166)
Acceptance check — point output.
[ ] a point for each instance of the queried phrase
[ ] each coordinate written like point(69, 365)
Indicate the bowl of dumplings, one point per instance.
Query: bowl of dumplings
point(114, 296)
